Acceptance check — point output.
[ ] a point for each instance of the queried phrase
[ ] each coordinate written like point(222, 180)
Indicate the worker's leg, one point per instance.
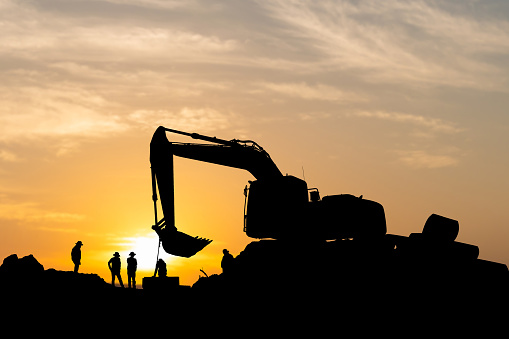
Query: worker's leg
point(120, 280)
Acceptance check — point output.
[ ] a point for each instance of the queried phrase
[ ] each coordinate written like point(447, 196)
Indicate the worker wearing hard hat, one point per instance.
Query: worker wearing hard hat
point(76, 255)
point(132, 265)
point(114, 265)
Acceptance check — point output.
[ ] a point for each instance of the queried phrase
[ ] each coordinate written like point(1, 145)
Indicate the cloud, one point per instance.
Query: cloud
point(161, 42)
point(187, 119)
point(39, 34)
point(399, 42)
point(415, 42)
point(157, 4)
point(8, 156)
point(422, 159)
point(434, 124)
point(63, 113)
point(59, 230)
point(32, 212)
point(432, 128)
point(310, 116)
point(307, 92)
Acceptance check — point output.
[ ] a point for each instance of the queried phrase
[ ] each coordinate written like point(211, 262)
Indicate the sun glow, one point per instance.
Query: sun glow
point(146, 249)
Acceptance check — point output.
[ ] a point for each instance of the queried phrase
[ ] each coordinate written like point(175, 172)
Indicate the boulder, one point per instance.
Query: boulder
point(14, 266)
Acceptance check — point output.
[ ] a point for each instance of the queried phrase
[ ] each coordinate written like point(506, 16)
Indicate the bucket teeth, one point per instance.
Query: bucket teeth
point(177, 243)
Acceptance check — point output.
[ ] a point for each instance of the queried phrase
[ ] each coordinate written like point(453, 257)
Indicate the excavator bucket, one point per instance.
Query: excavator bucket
point(178, 243)
point(183, 245)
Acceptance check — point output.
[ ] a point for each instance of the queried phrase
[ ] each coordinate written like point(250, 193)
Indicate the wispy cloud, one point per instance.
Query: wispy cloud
point(8, 156)
point(42, 35)
point(396, 42)
point(187, 119)
point(434, 124)
point(33, 212)
point(58, 229)
point(60, 112)
point(62, 116)
point(85, 74)
point(430, 152)
point(158, 4)
point(423, 159)
point(311, 92)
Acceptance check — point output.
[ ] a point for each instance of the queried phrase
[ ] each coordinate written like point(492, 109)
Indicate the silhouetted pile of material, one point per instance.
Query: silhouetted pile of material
point(394, 274)
point(29, 275)
point(24, 283)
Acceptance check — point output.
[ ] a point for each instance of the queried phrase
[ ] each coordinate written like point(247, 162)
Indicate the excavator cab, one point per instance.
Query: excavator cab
point(276, 208)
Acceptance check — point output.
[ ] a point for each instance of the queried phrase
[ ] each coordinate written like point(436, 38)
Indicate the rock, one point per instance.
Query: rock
point(67, 280)
point(30, 265)
point(9, 264)
point(27, 265)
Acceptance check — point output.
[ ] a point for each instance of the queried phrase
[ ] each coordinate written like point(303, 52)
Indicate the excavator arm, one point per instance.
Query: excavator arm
point(240, 154)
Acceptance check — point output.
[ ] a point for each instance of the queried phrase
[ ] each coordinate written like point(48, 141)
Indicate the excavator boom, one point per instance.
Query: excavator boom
point(242, 154)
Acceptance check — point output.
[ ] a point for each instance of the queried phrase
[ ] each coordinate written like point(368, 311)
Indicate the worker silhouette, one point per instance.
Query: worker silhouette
point(114, 265)
point(227, 261)
point(132, 265)
point(76, 255)
point(161, 268)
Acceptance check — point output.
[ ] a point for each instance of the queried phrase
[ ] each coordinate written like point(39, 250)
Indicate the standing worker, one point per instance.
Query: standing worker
point(76, 256)
point(114, 265)
point(132, 265)
point(227, 261)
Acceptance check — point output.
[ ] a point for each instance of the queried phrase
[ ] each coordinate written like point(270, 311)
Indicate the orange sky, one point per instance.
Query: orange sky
point(402, 102)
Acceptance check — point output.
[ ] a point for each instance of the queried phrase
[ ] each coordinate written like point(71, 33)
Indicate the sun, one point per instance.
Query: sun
point(146, 249)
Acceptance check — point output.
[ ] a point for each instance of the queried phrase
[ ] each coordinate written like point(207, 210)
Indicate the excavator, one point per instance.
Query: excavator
point(333, 249)
point(341, 239)
point(277, 206)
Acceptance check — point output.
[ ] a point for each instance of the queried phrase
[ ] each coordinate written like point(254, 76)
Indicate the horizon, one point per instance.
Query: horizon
point(404, 103)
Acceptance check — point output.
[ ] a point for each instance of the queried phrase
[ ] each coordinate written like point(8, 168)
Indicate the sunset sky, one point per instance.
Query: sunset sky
point(404, 102)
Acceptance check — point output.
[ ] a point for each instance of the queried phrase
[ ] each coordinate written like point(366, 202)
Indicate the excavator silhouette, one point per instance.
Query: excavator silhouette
point(337, 243)
point(334, 249)
point(277, 206)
